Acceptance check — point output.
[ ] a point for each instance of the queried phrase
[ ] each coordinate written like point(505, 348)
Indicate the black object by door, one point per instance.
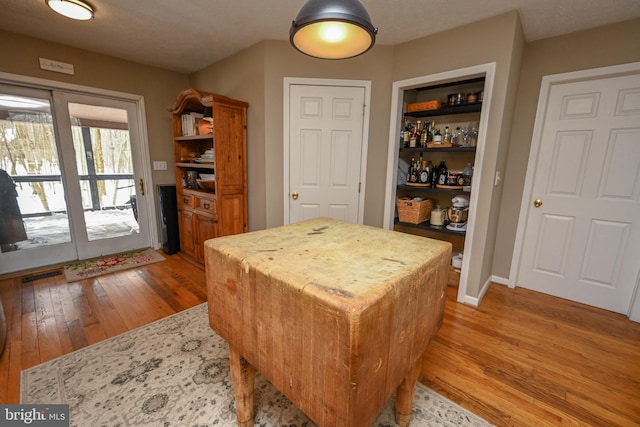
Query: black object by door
point(168, 210)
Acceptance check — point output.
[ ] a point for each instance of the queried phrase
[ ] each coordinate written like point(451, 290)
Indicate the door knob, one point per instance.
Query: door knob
point(537, 203)
point(294, 195)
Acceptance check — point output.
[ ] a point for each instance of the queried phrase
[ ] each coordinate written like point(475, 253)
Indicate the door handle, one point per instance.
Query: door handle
point(141, 187)
point(294, 195)
point(537, 203)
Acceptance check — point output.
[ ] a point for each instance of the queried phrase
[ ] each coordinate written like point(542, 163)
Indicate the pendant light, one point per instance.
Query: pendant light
point(74, 9)
point(333, 29)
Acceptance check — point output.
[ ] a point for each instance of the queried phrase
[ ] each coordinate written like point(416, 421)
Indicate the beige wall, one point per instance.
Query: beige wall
point(242, 77)
point(599, 47)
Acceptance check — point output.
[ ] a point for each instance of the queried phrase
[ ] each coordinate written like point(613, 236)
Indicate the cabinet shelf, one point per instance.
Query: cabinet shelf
point(194, 137)
point(426, 226)
point(454, 149)
point(416, 189)
point(196, 165)
point(447, 111)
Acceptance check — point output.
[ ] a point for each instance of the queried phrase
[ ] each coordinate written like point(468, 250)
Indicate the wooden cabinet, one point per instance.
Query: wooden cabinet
point(211, 172)
point(458, 114)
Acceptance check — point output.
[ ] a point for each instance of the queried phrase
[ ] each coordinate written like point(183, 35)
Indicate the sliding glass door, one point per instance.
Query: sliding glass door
point(68, 183)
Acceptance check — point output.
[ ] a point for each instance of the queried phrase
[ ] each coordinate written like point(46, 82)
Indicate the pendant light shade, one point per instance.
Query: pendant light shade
point(333, 29)
point(74, 9)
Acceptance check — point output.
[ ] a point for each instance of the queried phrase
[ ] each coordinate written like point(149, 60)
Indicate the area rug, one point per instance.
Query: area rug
point(175, 372)
point(110, 264)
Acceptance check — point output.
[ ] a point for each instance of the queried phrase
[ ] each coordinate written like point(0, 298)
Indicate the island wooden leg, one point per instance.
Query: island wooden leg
point(404, 395)
point(243, 375)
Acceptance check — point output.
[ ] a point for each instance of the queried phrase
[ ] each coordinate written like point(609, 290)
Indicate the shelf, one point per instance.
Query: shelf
point(454, 149)
point(428, 227)
point(194, 137)
point(196, 165)
point(430, 189)
point(447, 111)
point(452, 83)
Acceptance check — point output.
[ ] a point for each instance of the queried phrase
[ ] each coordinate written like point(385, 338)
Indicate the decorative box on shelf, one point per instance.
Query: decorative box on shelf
point(423, 106)
point(412, 211)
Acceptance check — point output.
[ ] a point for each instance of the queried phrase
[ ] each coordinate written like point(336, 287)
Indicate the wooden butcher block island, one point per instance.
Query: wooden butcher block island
point(335, 315)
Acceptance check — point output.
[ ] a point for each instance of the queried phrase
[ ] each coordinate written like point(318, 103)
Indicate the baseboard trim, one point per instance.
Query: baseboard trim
point(500, 280)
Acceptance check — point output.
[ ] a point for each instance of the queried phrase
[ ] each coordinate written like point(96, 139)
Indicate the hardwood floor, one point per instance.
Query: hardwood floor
point(521, 359)
point(528, 359)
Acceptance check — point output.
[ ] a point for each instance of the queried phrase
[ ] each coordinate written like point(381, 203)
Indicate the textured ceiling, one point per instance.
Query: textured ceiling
point(189, 35)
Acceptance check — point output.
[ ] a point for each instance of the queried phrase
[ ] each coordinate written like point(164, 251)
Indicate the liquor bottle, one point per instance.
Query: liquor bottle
point(442, 173)
point(406, 135)
point(425, 173)
point(410, 171)
point(415, 135)
point(447, 135)
point(414, 172)
point(432, 130)
point(431, 172)
point(437, 137)
point(424, 135)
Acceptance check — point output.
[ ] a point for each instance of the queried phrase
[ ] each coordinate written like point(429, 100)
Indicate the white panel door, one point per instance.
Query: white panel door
point(582, 236)
point(326, 140)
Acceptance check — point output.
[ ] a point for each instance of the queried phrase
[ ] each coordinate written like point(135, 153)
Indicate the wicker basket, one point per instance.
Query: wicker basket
point(414, 212)
point(423, 106)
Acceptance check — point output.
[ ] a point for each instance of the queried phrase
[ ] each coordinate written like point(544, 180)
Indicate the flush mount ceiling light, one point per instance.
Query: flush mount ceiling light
point(74, 9)
point(332, 29)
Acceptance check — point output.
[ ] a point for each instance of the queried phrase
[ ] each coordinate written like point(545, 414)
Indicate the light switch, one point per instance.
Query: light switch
point(159, 166)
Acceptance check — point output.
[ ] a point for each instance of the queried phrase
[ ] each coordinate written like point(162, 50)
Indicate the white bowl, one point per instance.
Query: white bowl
point(208, 176)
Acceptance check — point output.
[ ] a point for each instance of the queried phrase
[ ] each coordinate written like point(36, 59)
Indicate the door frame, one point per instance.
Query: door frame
point(548, 82)
point(487, 71)
point(291, 81)
point(143, 148)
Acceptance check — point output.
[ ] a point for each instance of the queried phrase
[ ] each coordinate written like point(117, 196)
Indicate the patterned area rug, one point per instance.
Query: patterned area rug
point(109, 264)
point(175, 372)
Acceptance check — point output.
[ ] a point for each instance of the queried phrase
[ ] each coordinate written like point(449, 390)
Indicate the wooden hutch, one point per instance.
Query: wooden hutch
point(210, 140)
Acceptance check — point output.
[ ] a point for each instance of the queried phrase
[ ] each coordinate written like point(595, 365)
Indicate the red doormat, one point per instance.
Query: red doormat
point(110, 264)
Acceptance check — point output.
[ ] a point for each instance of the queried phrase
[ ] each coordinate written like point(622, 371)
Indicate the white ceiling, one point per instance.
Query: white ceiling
point(188, 35)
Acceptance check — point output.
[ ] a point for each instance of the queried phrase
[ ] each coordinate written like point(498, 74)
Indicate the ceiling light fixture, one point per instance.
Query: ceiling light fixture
point(333, 29)
point(74, 9)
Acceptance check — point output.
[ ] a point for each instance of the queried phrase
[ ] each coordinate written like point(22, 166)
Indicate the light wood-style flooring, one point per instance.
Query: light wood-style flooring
point(521, 359)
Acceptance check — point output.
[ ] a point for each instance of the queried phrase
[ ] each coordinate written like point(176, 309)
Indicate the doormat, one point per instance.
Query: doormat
point(110, 264)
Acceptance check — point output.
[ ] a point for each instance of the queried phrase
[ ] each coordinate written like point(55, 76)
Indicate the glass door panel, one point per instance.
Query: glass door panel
point(105, 169)
point(34, 222)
